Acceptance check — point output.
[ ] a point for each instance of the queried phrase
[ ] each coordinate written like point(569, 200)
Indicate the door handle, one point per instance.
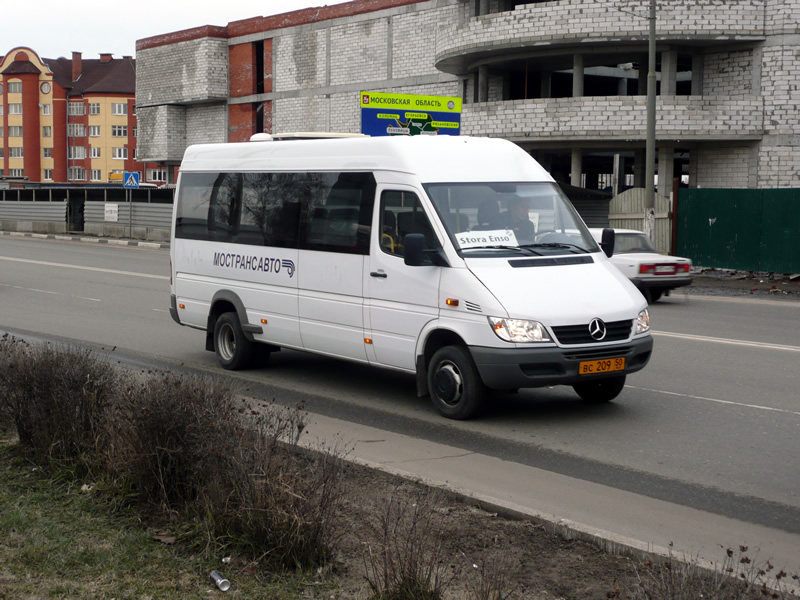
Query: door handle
point(378, 274)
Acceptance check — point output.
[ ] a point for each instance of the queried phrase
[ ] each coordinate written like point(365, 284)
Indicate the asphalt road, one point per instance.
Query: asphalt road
point(712, 423)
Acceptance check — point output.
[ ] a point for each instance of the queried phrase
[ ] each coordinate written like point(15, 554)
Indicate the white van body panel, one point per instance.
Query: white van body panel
point(369, 303)
point(593, 289)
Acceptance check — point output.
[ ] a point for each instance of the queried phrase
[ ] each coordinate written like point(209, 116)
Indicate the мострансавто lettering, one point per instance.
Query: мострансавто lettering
point(253, 263)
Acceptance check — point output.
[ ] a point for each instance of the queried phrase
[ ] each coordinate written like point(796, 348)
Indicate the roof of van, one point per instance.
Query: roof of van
point(432, 158)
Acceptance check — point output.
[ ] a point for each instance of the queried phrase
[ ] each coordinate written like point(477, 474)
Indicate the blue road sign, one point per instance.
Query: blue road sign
point(131, 181)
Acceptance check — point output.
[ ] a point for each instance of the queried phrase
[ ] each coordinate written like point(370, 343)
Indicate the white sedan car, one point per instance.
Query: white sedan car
point(653, 273)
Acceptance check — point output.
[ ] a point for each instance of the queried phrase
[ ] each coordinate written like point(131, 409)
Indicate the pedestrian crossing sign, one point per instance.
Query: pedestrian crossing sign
point(131, 181)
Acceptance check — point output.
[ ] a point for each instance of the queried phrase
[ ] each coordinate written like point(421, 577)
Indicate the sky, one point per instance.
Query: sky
point(54, 28)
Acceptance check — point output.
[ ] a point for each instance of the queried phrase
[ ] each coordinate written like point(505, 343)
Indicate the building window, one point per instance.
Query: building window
point(2, 131)
point(15, 109)
point(95, 152)
point(117, 108)
point(94, 130)
point(77, 152)
point(119, 153)
point(135, 132)
point(48, 174)
point(47, 152)
point(14, 87)
point(94, 108)
point(16, 172)
point(76, 109)
point(47, 131)
point(135, 154)
point(119, 131)
point(76, 130)
point(76, 174)
point(14, 131)
point(157, 175)
point(95, 175)
point(2, 152)
point(46, 110)
point(15, 152)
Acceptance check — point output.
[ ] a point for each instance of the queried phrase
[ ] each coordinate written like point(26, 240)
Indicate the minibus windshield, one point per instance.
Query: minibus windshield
point(484, 219)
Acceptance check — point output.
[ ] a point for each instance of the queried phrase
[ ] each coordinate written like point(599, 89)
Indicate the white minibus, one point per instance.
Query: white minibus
point(457, 259)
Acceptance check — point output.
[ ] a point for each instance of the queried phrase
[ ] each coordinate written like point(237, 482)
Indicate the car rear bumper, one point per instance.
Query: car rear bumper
point(661, 283)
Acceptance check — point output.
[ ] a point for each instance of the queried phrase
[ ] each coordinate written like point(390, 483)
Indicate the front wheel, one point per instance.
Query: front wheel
point(234, 351)
point(455, 386)
point(600, 390)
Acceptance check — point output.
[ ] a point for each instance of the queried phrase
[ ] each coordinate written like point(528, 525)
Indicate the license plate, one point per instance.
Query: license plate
point(665, 270)
point(593, 367)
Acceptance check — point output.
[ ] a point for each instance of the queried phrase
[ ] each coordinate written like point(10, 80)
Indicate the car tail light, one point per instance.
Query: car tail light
point(684, 268)
point(647, 269)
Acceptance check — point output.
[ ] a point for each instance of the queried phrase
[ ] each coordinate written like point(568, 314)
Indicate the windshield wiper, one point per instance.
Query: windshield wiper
point(525, 249)
point(556, 245)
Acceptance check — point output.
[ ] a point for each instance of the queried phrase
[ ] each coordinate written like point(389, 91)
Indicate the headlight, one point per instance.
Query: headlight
point(643, 322)
point(516, 330)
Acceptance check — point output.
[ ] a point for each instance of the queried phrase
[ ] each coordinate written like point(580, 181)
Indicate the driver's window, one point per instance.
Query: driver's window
point(401, 213)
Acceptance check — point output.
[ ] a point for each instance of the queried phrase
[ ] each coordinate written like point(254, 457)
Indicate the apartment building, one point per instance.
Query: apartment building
point(69, 120)
point(565, 79)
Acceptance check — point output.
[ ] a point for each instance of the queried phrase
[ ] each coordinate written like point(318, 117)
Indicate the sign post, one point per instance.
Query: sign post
point(130, 181)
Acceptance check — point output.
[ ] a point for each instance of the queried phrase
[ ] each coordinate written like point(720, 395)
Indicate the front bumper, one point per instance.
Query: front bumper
point(511, 368)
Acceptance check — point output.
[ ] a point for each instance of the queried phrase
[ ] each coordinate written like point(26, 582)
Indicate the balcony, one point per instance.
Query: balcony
point(569, 26)
point(621, 119)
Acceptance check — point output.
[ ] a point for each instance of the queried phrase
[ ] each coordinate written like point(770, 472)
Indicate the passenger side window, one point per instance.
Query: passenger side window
point(338, 217)
point(271, 208)
point(401, 214)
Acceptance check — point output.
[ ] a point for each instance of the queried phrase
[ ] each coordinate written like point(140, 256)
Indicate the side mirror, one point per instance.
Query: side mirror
point(607, 243)
point(415, 252)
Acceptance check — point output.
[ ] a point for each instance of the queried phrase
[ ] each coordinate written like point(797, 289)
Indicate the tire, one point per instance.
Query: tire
point(455, 386)
point(234, 351)
point(653, 296)
point(600, 390)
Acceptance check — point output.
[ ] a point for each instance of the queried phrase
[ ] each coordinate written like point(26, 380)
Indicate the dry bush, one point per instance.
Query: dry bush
point(404, 557)
point(188, 444)
point(167, 435)
point(737, 578)
point(493, 578)
point(57, 398)
point(275, 500)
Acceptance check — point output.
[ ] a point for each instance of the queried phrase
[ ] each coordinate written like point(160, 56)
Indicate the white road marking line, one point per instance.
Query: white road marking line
point(716, 340)
point(17, 287)
point(82, 268)
point(717, 400)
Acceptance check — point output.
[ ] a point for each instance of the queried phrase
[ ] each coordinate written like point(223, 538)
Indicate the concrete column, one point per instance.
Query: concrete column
point(622, 86)
point(698, 67)
point(618, 179)
point(669, 73)
point(483, 7)
point(577, 167)
point(643, 77)
point(639, 158)
point(547, 84)
point(577, 76)
point(666, 169)
point(483, 84)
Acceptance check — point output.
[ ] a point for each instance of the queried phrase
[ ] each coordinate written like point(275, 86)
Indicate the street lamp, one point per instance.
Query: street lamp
point(650, 149)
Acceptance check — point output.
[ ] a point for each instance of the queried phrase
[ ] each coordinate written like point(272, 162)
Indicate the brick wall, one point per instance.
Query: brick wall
point(728, 73)
point(301, 59)
point(721, 167)
point(359, 51)
point(194, 70)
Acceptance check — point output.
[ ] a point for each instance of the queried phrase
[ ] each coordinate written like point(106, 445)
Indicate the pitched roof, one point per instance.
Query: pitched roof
point(115, 76)
point(19, 67)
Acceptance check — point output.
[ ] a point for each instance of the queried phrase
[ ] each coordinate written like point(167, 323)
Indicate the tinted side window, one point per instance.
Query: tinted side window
point(338, 214)
point(401, 214)
point(271, 204)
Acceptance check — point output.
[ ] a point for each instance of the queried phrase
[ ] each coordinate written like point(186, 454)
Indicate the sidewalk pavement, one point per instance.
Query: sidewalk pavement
point(617, 521)
point(87, 238)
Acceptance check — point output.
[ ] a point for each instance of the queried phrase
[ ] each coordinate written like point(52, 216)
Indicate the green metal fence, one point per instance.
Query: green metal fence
point(745, 229)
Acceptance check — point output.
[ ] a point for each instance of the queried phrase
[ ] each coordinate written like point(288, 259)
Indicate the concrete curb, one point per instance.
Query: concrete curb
point(93, 240)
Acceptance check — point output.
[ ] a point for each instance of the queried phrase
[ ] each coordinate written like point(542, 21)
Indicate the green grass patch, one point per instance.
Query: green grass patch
point(57, 541)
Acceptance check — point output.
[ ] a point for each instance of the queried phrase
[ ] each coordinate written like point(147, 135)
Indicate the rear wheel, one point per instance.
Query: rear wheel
point(653, 295)
point(234, 351)
point(601, 390)
point(455, 386)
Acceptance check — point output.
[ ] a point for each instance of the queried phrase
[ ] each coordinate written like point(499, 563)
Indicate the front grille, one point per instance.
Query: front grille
point(616, 331)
